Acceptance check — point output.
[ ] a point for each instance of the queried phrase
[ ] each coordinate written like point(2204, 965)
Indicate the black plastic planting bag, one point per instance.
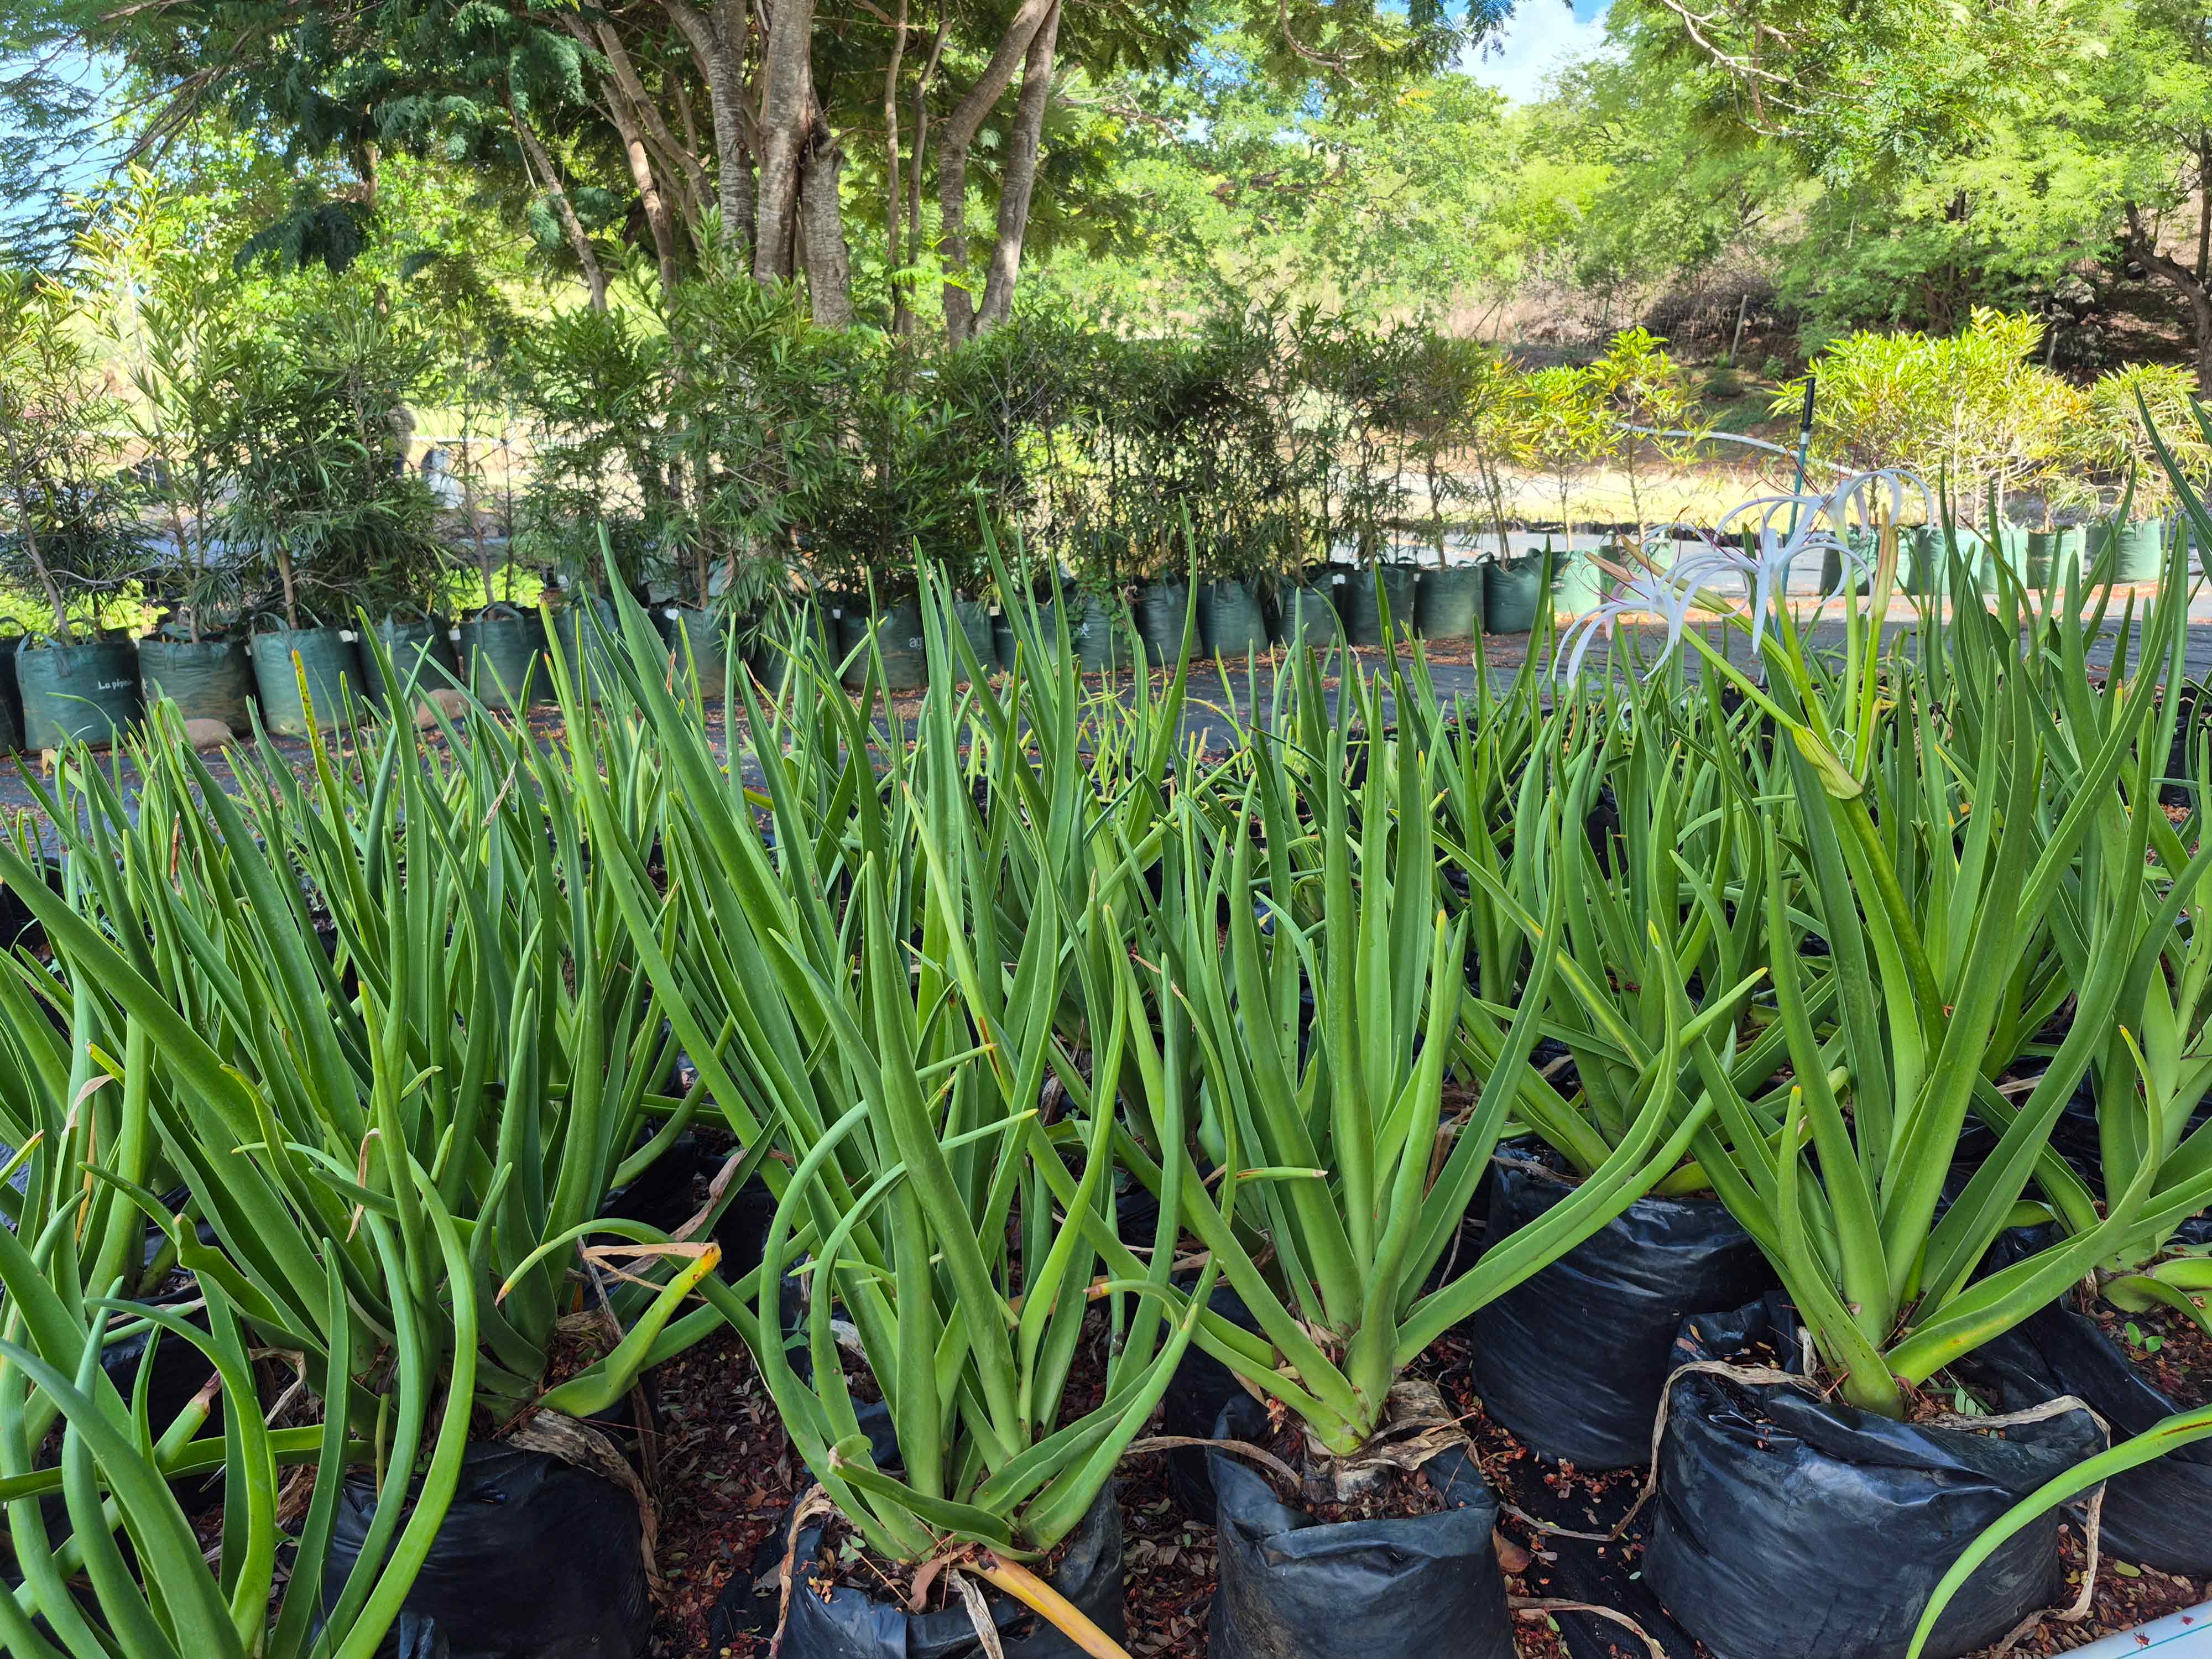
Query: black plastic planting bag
point(1787, 1525)
point(1572, 1359)
point(181, 1369)
point(1200, 1388)
point(1291, 1587)
point(661, 1194)
point(535, 1560)
point(18, 925)
point(11, 699)
point(855, 1625)
point(664, 1195)
point(2158, 1516)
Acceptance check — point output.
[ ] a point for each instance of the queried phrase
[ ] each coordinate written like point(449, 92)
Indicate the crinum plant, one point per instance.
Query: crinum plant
point(1967, 866)
point(891, 971)
point(1334, 1144)
point(474, 1013)
point(83, 1105)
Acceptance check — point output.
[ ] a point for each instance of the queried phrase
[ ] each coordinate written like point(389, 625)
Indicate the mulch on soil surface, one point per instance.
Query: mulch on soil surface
point(1167, 1562)
point(2167, 1347)
point(2125, 1596)
point(727, 1474)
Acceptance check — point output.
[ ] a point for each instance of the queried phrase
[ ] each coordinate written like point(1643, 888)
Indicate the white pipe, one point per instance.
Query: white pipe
point(2188, 1633)
point(1732, 438)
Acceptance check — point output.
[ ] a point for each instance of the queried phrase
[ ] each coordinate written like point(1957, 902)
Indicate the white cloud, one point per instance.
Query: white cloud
point(1539, 39)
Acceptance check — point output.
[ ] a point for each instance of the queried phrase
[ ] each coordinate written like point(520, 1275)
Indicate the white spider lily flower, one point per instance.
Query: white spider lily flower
point(1672, 594)
point(1776, 545)
point(1779, 529)
point(1868, 499)
point(1864, 503)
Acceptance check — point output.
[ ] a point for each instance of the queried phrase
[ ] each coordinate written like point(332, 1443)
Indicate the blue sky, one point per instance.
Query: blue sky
point(58, 162)
point(1536, 40)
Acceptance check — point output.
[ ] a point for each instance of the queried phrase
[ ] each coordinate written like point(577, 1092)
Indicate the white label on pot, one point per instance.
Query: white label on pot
point(113, 685)
point(347, 636)
point(837, 611)
point(1336, 578)
point(454, 634)
point(670, 613)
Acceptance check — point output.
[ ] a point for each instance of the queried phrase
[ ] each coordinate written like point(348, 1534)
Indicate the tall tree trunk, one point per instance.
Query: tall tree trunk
point(658, 219)
point(902, 312)
point(2204, 207)
point(821, 216)
point(721, 64)
point(2142, 243)
point(892, 181)
point(1018, 182)
point(682, 91)
point(690, 177)
point(537, 159)
point(960, 129)
point(622, 113)
point(24, 515)
point(786, 115)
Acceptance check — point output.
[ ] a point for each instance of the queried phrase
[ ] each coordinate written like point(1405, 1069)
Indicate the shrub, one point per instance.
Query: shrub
point(2113, 443)
point(70, 533)
point(1972, 408)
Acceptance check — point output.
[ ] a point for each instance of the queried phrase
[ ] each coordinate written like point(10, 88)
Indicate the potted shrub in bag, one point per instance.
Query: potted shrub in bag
point(420, 648)
point(1159, 612)
point(1448, 602)
point(70, 538)
point(304, 675)
point(1230, 623)
point(208, 678)
point(1091, 627)
point(1516, 593)
point(1367, 589)
point(501, 651)
point(1306, 614)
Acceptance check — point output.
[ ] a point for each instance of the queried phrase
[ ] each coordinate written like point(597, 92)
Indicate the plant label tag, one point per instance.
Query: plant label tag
point(1336, 578)
point(347, 636)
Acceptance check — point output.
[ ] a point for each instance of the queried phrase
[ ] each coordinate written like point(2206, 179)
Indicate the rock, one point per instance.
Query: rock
point(450, 700)
point(204, 735)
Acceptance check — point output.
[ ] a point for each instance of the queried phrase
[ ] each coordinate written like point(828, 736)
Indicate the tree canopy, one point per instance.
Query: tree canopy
point(927, 146)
